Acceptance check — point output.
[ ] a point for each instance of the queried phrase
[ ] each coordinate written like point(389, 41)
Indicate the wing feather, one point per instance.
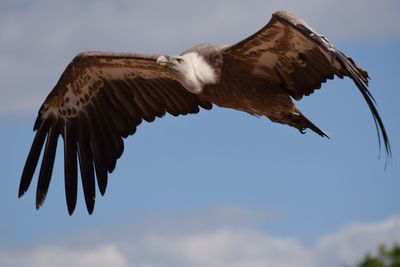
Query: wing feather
point(146, 103)
point(46, 168)
point(33, 158)
point(107, 145)
point(98, 149)
point(143, 107)
point(70, 163)
point(158, 108)
point(166, 99)
point(100, 99)
point(86, 162)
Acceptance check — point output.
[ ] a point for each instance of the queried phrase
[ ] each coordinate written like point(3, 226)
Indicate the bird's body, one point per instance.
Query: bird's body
point(102, 97)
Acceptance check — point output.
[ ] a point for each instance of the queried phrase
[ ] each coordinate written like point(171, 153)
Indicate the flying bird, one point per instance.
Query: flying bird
point(102, 97)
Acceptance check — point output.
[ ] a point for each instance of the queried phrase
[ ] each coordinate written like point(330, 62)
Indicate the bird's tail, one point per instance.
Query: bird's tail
point(306, 123)
point(300, 122)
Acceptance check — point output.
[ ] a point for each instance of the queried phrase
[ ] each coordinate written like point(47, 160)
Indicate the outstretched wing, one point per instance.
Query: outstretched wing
point(288, 53)
point(100, 98)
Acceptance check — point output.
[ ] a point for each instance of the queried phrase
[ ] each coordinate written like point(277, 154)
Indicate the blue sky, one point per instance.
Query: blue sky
point(220, 188)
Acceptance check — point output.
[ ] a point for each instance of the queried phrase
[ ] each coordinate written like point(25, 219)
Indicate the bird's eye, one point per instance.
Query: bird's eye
point(180, 60)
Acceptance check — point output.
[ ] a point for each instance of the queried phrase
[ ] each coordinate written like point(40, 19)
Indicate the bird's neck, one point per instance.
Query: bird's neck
point(196, 73)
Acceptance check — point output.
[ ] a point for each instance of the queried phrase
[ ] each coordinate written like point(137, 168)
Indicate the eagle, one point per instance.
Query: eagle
point(102, 97)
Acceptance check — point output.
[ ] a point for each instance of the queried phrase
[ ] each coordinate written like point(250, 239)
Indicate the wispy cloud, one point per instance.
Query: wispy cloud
point(225, 244)
point(38, 39)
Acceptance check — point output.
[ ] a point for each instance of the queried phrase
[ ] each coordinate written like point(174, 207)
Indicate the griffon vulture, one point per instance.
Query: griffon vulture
point(101, 98)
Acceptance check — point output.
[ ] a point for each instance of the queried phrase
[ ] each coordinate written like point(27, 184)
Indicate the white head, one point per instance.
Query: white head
point(193, 71)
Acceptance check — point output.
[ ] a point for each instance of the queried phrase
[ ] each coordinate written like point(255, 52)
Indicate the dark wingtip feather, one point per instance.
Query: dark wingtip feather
point(86, 163)
point(360, 78)
point(33, 158)
point(71, 210)
point(99, 151)
point(46, 168)
point(102, 178)
point(70, 165)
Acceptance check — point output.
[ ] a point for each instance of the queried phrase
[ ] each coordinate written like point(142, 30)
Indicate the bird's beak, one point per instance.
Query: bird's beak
point(164, 60)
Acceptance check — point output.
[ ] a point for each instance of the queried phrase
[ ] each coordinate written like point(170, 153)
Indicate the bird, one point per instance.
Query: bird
point(102, 97)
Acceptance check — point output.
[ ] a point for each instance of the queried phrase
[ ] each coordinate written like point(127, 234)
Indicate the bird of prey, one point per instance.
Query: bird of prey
point(101, 97)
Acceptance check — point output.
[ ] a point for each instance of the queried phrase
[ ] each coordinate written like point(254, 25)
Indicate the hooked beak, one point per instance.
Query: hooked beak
point(164, 60)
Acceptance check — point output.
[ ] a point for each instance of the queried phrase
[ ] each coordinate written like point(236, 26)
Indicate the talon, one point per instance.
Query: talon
point(302, 131)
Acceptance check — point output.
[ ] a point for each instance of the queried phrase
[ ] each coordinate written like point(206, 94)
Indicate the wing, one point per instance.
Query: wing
point(100, 99)
point(288, 53)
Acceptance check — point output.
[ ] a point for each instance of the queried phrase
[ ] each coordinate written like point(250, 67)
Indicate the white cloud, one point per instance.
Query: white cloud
point(223, 247)
point(351, 242)
point(227, 245)
point(38, 39)
point(102, 256)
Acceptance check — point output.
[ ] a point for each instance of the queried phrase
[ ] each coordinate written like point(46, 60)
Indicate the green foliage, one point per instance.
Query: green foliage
point(384, 258)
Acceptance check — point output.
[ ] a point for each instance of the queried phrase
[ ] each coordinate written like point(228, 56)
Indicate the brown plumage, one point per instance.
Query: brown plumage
point(101, 98)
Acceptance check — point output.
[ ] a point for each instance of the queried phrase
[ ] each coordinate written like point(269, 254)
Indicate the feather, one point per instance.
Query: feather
point(162, 95)
point(86, 162)
point(33, 158)
point(97, 143)
point(46, 168)
point(361, 82)
point(70, 163)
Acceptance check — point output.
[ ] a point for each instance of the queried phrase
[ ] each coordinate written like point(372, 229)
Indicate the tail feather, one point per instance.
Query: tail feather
point(298, 121)
point(306, 123)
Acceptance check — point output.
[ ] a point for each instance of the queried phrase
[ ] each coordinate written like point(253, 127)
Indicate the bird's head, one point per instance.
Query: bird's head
point(170, 61)
point(181, 64)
